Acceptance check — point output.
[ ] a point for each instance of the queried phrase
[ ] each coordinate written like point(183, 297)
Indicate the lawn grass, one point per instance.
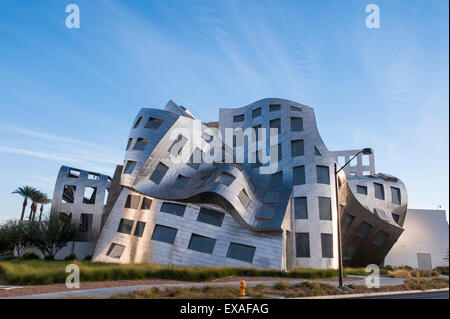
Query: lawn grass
point(282, 289)
point(38, 272)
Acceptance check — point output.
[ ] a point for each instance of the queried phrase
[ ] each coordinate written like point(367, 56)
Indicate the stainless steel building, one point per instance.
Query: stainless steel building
point(254, 189)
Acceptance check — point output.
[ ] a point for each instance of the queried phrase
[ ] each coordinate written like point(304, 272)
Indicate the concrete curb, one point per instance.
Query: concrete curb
point(379, 294)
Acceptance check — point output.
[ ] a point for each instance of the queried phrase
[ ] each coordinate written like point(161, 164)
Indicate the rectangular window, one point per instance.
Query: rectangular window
point(348, 220)
point(297, 148)
point(141, 144)
point(256, 112)
point(380, 238)
point(327, 245)
point(241, 252)
point(73, 173)
point(146, 203)
point(257, 134)
point(125, 226)
point(363, 229)
point(295, 108)
point(379, 191)
point(202, 244)
point(275, 127)
point(85, 222)
point(301, 208)
point(140, 226)
point(225, 178)
point(69, 194)
point(158, 173)
point(396, 197)
point(299, 175)
point(238, 118)
point(302, 245)
point(243, 197)
point(196, 158)
point(89, 195)
point(132, 201)
point(177, 145)
point(276, 154)
point(361, 189)
point(323, 174)
point(138, 122)
point(173, 208)
point(93, 176)
point(181, 182)
point(276, 179)
point(296, 124)
point(164, 234)
point(325, 208)
point(349, 252)
point(129, 167)
point(115, 251)
point(210, 216)
point(274, 107)
point(153, 123)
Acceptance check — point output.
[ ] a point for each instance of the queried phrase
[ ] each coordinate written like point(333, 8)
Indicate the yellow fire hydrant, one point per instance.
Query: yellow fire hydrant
point(242, 286)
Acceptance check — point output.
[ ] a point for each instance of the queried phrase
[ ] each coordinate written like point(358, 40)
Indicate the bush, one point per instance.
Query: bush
point(281, 285)
point(443, 270)
point(88, 258)
point(71, 257)
point(388, 267)
point(399, 273)
point(30, 256)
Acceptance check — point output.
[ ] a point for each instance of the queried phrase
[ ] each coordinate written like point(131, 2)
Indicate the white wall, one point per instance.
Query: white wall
point(426, 231)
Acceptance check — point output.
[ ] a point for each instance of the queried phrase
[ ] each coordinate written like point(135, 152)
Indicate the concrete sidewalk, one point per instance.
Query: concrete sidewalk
point(111, 291)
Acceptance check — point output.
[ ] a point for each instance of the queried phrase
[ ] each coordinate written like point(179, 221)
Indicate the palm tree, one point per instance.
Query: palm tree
point(43, 199)
point(34, 200)
point(26, 192)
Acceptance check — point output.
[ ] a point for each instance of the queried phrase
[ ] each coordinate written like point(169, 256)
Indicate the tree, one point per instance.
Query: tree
point(14, 235)
point(51, 234)
point(43, 199)
point(35, 197)
point(26, 192)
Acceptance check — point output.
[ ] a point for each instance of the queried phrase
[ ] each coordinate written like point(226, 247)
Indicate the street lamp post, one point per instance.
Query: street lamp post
point(365, 151)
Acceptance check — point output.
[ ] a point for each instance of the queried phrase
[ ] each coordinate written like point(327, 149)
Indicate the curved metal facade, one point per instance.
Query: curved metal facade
point(228, 210)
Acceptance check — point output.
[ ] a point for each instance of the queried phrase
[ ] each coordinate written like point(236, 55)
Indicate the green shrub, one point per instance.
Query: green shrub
point(29, 256)
point(88, 258)
point(281, 285)
point(71, 257)
point(443, 270)
point(388, 267)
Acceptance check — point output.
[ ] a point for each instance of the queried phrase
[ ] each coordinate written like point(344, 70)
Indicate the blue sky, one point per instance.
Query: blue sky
point(69, 96)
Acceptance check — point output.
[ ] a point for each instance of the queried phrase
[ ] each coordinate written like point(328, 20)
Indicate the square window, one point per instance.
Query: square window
point(361, 189)
point(297, 148)
point(363, 229)
point(132, 201)
point(296, 124)
point(210, 216)
point(139, 231)
point(256, 112)
point(302, 245)
point(115, 251)
point(89, 195)
point(275, 127)
point(138, 122)
point(396, 196)
point(202, 244)
point(141, 144)
point(177, 145)
point(323, 174)
point(125, 226)
point(301, 208)
point(238, 118)
point(158, 173)
point(379, 191)
point(173, 208)
point(276, 179)
point(164, 234)
point(225, 178)
point(274, 107)
point(85, 222)
point(69, 194)
point(325, 208)
point(181, 182)
point(348, 220)
point(243, 197)
point(380, 238)
point(241, 252)
point(153, 123)
point(327, 245)
point(146, 203)
point(129, 167)
point(299, 175)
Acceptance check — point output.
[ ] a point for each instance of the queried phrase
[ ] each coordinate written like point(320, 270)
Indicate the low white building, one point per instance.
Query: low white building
point(424, 242)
